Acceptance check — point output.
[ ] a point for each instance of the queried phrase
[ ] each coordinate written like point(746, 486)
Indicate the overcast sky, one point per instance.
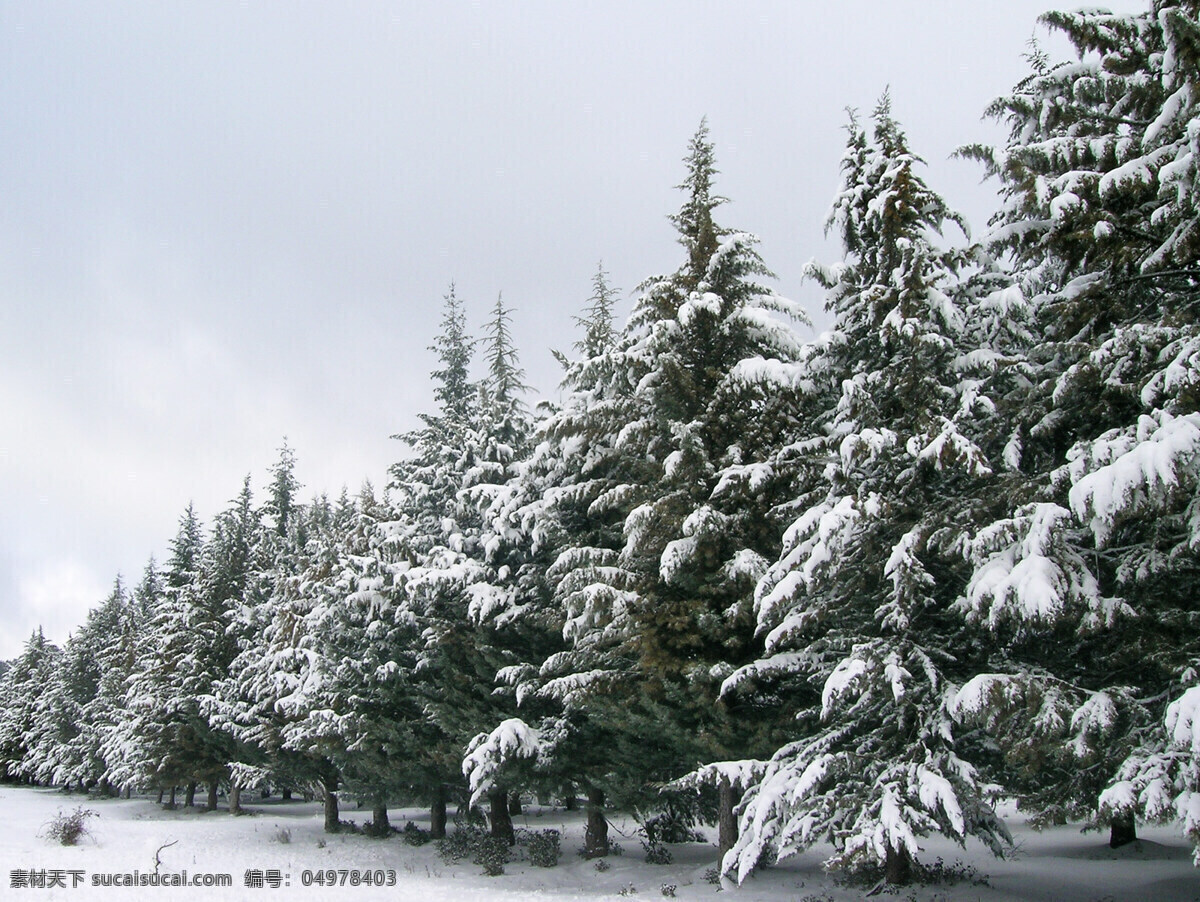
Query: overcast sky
point(225, 223)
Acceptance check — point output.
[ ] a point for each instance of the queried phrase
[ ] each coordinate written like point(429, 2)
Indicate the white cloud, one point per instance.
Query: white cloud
point(53, 594)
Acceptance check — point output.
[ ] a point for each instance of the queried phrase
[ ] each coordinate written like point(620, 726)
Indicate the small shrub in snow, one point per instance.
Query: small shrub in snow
point(668, 890)
point(282, 835)
point(657, 853)
point(489, 851)
point(942, 874)
point(544, 848)
point(629, 890)
point(381, 831)
point(460, 844)
point(870, 874)
point(671, 826)
point(414, 835)
point(602, 865)
point(712, 876)
point(493, 854)
point(68, 829)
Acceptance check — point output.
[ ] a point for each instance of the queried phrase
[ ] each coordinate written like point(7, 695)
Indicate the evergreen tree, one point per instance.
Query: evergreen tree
point(300, 669)
point(371, 645)
point(554, 744)
point(21, 691)
point(1096, 549)
point(858, 609)
point(650, 570)
point(691, 550)
point(227, 573)
point(161, 726)
point(84, 699)
point(458, 590)
point(119, 745)
point(268, 706)
point(434, 555)
point(282, 500)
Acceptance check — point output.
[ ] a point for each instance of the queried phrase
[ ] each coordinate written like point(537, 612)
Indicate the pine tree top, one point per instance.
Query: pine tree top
point(505, 377)
point(597, 320)
point(453, 390)
point(186, 548)
point(698, 232)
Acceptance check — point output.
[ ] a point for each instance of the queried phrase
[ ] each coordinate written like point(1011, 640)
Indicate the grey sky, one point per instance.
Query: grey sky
point(224, 223)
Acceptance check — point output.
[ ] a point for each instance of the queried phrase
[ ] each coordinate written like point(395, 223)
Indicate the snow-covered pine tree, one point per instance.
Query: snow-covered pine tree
point(83, 699)
point(653, 571)
point(272, 704)
point(469, 576)
point(696, 534)
point(118, 741)
point(117, 625)
point(859, 604)
point(158, 741)
point(433, 542)
point(285, 675)
point(554, 745)
point(242, 703)
point(283, 494)
point(691, 550)
point(371, 645)
point(21, 690)
point(315, 732)
point(226, 571)
point(689, 335)
point(1096, 552)
point(514, 601)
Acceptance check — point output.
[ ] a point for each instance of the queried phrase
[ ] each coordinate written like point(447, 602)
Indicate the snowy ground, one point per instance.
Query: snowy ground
point(1061, 864)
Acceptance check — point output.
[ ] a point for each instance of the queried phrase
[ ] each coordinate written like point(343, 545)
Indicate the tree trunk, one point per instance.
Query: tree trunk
point(160, 795)
point(595, 838)
point(514, 803)
point(1122, 831)
point(502, 825)
point(235, 798)
point(569, 801)
point(191, 794)
point(286, 794)
point(380, 826)
point(127, 791)
point(727, 827)
point(212, 796)
point(329, 782)
point(897, 867)
point(437, 812)
point(171, 803)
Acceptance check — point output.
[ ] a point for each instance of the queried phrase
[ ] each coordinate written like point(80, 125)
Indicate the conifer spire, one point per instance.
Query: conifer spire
point(698, 232)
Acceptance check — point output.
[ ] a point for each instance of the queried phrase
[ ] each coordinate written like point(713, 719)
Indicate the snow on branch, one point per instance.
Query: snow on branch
point(1139, 471)
point(1183, 721)
point(741, 775)
point(488, 754)
point(1026, 571)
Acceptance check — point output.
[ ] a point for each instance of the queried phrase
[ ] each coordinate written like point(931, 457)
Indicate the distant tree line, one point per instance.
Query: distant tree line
point(848, 589)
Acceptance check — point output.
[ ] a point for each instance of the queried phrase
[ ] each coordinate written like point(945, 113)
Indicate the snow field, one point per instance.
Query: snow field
point(1057, 865)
